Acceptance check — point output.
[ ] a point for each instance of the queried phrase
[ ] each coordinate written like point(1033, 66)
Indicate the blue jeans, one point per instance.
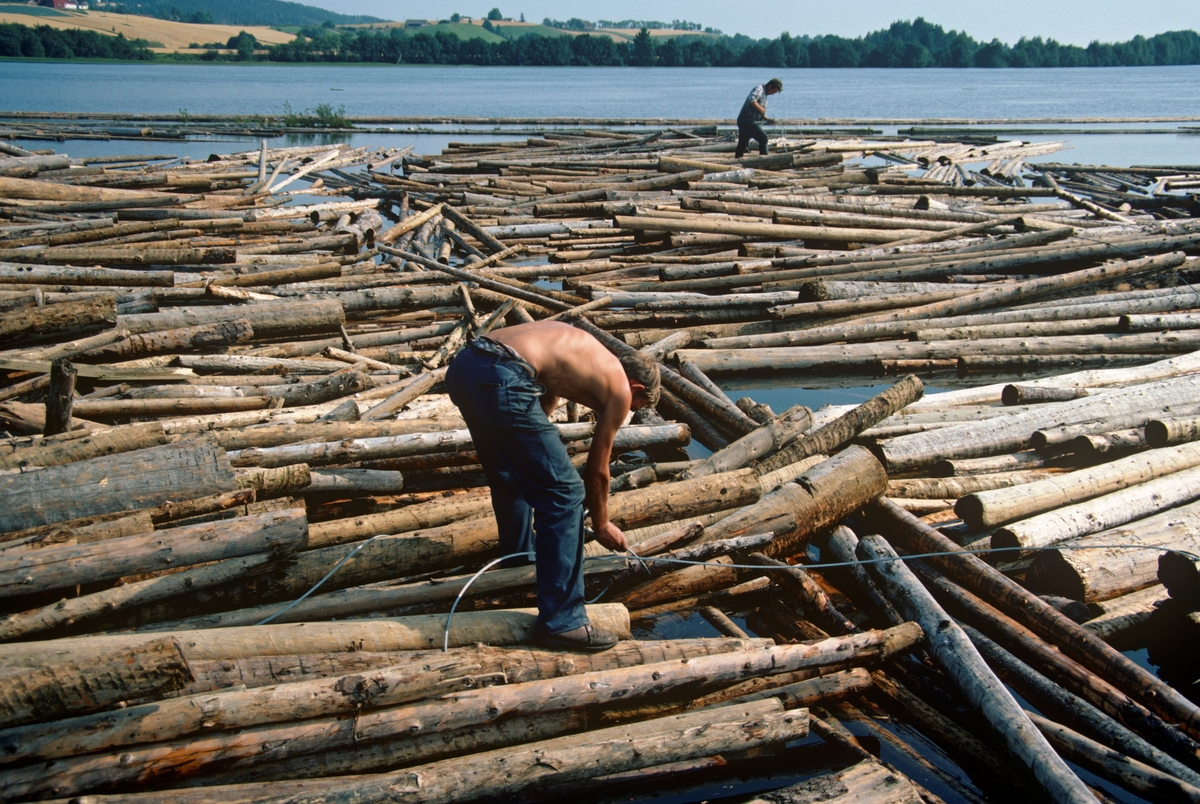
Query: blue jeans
point(535, 488)
point(750, 130)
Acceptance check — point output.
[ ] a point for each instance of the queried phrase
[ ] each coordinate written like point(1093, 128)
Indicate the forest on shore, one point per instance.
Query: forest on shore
point(904, 44)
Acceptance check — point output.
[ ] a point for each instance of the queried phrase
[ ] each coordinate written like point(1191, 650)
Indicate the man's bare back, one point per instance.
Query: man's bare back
point(571, 364)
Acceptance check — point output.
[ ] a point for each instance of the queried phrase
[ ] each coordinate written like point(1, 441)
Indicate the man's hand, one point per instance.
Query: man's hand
point(770, 121)
point(611, 537)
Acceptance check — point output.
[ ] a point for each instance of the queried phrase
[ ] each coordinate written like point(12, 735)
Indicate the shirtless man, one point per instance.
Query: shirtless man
point(506, 385)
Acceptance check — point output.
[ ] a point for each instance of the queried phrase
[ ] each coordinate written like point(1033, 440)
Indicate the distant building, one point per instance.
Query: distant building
point(409, 23)
point(65, 5)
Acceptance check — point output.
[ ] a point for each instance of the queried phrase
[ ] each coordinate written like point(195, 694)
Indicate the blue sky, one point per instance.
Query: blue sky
point(1074, 22)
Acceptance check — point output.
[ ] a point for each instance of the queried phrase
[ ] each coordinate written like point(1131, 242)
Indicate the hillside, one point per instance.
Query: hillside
point(164, 35)
point(240, 12)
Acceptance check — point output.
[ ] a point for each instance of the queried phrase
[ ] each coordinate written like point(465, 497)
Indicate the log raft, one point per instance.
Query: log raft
point(220, 381)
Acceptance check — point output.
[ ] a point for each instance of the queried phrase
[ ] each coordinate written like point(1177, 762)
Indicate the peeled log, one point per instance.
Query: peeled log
point(1009, 433)
point(986, 509)
point(1100, 513)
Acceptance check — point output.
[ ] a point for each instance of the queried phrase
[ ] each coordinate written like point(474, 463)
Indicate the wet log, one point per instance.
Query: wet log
point(91, 682)
point(116, 483)
point(809, 592)
point(1121, 615)
point(1073, 711)
point(1132, 775)
point(985, 509)
point(1101, 513)
point(953, 650)
point(867, 782)
point(828, 438)
point(1081, 645)
point(57, 567)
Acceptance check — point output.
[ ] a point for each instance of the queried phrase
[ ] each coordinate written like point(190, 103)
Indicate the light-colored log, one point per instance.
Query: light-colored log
point(1100, 513)
point(507, 627)
point(985, 509)
point(1108, 564)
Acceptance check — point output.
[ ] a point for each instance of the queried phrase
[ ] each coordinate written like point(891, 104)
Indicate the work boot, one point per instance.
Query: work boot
point(584, 639)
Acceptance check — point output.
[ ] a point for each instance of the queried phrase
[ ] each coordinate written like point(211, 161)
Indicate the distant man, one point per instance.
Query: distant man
point(752, 116)
point(506, 385)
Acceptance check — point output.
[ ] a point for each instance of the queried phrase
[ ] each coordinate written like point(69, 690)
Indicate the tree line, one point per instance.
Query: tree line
point(44, 42)
point(903, 44)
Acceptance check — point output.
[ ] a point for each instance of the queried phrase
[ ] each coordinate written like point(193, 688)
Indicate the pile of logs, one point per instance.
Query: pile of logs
point(239, 520)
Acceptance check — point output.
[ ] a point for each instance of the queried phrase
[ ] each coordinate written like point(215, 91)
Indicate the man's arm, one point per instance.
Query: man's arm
point(596, 476)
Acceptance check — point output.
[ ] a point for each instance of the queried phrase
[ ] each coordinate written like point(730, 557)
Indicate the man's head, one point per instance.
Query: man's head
point(773, 86)
point(644, 378)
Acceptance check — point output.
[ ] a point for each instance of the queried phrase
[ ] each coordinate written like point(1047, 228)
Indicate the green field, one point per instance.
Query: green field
point(32, 11)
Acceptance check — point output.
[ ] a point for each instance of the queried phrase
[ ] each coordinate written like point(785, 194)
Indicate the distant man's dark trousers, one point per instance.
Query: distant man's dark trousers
point(750, 130)
point(535, 488)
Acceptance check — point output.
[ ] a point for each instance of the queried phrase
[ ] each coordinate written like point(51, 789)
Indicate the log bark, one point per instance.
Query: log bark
point(954, 652)
point(825, 494)
point(89, 683)
point(116, 483)
point(58, 321)
point(48, 568)
point(60, 397)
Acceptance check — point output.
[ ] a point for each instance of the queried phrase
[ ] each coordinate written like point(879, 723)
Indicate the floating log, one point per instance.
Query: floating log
point(954, 652)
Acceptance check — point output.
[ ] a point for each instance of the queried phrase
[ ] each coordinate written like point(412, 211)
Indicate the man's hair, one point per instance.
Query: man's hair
point(775, 84)
point(641, 367)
